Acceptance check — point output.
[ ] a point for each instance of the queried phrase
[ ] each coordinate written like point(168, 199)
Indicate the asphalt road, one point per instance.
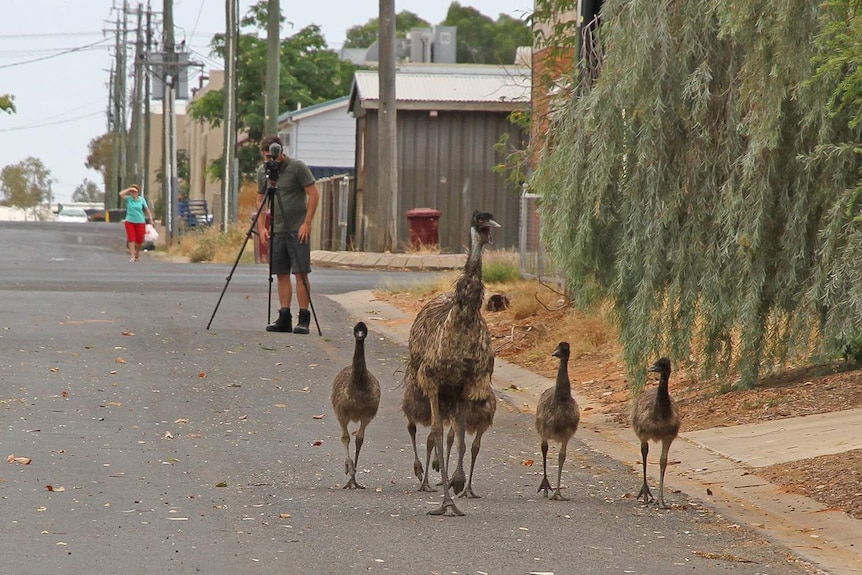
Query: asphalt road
point(158, 446)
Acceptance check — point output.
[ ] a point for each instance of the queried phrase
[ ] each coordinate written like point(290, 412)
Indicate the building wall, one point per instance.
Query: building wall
point(445, 162)
point(204, 144)
point(325, 139)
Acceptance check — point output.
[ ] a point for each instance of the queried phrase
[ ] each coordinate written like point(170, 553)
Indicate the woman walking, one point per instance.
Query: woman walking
point(137, 211)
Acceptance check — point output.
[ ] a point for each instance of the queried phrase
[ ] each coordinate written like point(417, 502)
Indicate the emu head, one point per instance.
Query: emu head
point(360, 331)
point(661, 366)
point(562, 350)
point(480, 228)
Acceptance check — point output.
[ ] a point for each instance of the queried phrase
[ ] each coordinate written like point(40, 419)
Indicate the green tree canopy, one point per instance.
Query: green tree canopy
point(365, 35)
point(99, 152)
point(706, 188)
point(25, 184)
point(88, 191)
point(310, 73)
point(481, 40)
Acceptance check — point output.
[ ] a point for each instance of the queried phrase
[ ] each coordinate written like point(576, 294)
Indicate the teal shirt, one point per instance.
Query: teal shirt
point(135, 210)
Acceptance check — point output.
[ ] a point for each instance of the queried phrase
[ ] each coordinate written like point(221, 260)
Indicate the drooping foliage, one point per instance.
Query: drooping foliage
point(25, 184)
point(694, 200)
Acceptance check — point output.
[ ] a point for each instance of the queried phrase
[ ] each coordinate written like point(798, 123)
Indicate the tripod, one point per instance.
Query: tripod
point(270, 193)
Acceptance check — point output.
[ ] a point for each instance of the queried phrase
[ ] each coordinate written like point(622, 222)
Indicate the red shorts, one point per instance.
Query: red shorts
point(135, 232)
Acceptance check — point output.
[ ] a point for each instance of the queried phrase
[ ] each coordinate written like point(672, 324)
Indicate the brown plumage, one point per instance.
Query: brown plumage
point(557, 418)
point(355, 397)
point(450, 358)
point(655, 417)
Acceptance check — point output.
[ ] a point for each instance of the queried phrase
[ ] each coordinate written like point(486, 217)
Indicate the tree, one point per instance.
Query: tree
point(695, 202)
point(310, 73)
point(7, 103)
point(25, 185)
point(481, 40)
point(88, 191)
point(99, 155)
point(365, 35)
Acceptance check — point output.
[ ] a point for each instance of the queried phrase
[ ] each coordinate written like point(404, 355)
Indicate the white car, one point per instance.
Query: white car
point(77, 215)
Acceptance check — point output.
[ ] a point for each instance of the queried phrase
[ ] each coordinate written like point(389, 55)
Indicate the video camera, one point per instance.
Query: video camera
point(271, 165)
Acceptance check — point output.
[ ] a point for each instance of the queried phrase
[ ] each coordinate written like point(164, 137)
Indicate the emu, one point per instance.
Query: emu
point(450, 358)
point(355, 397)
point(557, 418)
point(655, 417)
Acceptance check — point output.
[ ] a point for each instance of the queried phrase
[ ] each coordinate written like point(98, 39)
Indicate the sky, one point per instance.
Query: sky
point(56, 56)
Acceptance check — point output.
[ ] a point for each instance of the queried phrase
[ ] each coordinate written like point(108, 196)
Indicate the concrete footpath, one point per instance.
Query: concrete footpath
point(716, 466)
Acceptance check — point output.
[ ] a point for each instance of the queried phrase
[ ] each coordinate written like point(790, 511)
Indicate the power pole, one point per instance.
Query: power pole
point(145, 183)
point(387, 158)
point(136, 141)
point(273, 61)
point(171, 71)
point(229, 189)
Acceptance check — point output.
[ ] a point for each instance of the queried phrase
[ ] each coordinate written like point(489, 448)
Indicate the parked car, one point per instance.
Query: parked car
point(77, 215)
point(95, 214)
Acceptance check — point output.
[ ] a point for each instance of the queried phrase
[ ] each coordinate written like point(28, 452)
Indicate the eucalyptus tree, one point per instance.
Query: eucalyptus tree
point(25, 184)
point(696, 202)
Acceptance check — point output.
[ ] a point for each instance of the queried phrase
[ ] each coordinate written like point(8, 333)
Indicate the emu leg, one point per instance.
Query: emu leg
point(645, 492)
point(429, 447)
point(349, 466)
point(360, 439)
point(665, 447)
point(459, 478)
point(545, 485)
point(474, 452)
point(558, 496)
point(450, 439)
point(417, 465)
point(447, 507)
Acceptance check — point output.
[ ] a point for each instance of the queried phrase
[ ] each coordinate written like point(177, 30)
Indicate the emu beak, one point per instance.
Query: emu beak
point(653, 367)
point(486, 229)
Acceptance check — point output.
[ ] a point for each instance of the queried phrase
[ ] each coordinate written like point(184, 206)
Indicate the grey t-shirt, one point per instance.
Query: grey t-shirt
point(293, 177)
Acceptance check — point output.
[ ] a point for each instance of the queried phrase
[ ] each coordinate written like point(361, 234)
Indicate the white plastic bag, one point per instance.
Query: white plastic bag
point(150, 234)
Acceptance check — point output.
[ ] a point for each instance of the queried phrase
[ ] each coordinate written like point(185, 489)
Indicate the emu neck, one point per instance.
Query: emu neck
point(662, 397)
point(469, 289)
point(359, 366)
point(563, 389)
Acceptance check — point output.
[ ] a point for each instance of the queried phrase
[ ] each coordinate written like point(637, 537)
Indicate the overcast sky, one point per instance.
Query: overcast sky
point(56, 56)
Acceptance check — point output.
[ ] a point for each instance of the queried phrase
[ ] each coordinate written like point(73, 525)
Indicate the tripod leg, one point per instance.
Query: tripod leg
point(311, 305)
point(251, 232)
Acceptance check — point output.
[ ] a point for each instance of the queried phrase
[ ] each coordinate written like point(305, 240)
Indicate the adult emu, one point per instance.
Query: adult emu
point(655, 417)
point(450, 357)
point(355, 397)
point(557, 418)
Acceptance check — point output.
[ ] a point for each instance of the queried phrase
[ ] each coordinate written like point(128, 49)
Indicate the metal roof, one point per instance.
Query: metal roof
point(464, 87)
point(313, 110)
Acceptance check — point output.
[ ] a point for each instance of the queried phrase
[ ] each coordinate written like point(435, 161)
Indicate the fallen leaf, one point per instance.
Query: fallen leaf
point(181, 421)
point(284, 516)
point(120, 360)
point(317, 416)
point(129, 333)
point(21, 460)
point(113, 372)
point(195, 435)
point(202, 375)
point(65, 394)
point(58, 488)
point(54, 369)
point(168, 435)
point(527, 463)
point(221, 484)
point(243, 417)
point(306, 388)
point(316, 442)
point(280, 405)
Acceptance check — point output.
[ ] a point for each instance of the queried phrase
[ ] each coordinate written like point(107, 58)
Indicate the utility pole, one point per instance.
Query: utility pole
point(169, 161)
point(110, 194)
point(387, 157)
point(273, 61)
point(137, 133)
point(145, 182)
point(121, 103)
point(229, 189)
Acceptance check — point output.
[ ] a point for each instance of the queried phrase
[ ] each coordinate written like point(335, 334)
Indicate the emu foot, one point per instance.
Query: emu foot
point(468, 493)
point(544, 487)
point(351, 484)
point(458, 481)
point(425, 486)
point(447, 509)
point(557, 496)
point(646, 494)
point(417, 470)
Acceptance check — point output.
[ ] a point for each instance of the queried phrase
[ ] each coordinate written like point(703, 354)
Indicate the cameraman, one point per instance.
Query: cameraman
point(293, 207)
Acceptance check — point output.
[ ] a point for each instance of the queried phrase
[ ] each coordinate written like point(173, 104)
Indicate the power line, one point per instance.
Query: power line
point(70, 51)
point(48, 124)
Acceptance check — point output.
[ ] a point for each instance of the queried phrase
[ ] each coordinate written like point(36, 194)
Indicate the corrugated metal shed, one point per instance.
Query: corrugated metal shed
point(447, 87)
